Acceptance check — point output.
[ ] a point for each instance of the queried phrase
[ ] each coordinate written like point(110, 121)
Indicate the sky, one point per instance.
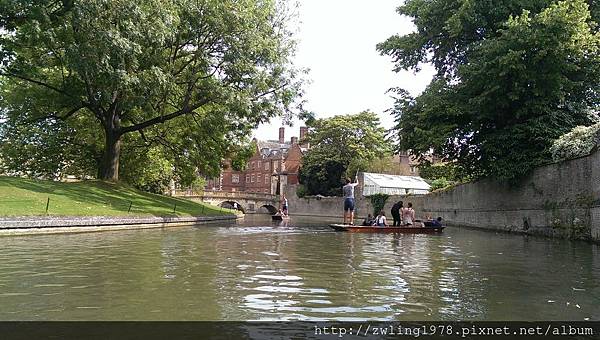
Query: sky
point(337, 42)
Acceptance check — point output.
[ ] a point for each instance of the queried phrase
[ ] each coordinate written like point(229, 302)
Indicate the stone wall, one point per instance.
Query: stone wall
point(561, 199)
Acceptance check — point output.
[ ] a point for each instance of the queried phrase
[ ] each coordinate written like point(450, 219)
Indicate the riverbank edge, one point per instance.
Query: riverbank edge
point(541, 232)
point(547, 233)
point(77, 224)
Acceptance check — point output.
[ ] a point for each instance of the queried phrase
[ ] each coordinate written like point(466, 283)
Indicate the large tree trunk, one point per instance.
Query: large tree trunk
point(109, 169)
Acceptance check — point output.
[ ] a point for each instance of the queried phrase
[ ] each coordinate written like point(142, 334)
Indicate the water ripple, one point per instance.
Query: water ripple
point(258, 272)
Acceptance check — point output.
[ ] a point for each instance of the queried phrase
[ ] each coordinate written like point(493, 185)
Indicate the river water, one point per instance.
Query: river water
point(257, 270)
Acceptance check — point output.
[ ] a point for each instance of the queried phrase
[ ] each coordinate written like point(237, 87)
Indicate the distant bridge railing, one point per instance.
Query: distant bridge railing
point(227, 195)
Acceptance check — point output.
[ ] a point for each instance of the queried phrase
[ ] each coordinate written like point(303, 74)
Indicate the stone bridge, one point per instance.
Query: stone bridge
point(247, 202)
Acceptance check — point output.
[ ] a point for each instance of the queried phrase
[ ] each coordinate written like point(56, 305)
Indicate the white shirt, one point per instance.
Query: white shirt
point(381, 221)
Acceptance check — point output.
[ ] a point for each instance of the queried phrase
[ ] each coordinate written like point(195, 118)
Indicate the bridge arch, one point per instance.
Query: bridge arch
point(269, 208)
point(232, 205)
point(247, 202)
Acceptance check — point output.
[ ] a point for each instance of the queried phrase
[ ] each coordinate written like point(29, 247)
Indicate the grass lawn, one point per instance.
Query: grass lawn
point(26, 197)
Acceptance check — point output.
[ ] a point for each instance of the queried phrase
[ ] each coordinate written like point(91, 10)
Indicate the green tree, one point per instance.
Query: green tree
point(132, 66)
point(148, 169)
point(48, 148)
point(446, 30)
point(435, 171)
point(340, 147)
point(503, 96)
point(386, 165)
point(440, 183)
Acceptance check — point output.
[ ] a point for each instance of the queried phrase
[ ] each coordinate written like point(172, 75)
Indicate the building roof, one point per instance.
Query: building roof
point(394, 181)
point(272, 148)
point(272, 144)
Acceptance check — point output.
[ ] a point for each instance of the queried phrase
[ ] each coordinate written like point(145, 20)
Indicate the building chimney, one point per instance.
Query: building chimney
point(303, 131)
point(294, 140)
point(281, 135)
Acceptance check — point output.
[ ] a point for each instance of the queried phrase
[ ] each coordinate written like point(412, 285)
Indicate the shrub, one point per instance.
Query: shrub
point(440, 183)
point(198, 185)
point(147, 170)
point(301, 191)
point(577, 143)
point(438, 170)
point(378, 202)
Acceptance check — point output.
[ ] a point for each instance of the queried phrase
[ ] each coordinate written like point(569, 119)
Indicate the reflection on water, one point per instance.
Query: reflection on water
point(298, 271)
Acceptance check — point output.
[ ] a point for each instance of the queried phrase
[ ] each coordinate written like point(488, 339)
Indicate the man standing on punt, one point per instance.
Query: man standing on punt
point(348, 191)
point(396, 213)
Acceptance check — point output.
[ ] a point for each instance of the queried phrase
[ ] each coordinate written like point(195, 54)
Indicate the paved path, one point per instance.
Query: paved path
point(47, 224)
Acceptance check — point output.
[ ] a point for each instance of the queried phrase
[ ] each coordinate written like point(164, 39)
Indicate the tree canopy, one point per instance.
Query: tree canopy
point(190, 77)
point(513, 75)
point(340, 146)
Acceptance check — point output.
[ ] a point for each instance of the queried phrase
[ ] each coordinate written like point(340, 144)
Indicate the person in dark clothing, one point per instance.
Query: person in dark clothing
point(368, 221)
point(434, 223)
point(396, 213)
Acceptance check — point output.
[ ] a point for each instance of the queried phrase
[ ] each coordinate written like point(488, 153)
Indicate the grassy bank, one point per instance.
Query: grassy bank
point(25, 197)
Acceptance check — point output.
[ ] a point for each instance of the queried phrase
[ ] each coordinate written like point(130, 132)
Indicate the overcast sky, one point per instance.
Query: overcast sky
point(337, 40)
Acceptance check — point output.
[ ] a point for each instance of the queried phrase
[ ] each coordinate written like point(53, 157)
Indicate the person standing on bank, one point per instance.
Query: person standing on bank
point(348, 191)
point(396, 213)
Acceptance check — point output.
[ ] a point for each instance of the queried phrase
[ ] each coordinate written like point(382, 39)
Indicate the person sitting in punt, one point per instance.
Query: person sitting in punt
point(380, 220)
point(369, 220)
point(434, 223)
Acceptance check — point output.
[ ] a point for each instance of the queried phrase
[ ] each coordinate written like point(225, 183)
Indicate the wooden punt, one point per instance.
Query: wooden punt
point(279, 218)
point(372, 229)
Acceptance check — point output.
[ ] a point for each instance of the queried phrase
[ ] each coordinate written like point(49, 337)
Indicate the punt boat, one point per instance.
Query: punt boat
point(417, 229)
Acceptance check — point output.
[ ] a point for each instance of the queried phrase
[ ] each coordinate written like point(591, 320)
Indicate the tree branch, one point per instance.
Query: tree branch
point(37, 82)
point(162, 119)
point(94, 106)
point(71, 112)
point(64, 117)
point(260, 95)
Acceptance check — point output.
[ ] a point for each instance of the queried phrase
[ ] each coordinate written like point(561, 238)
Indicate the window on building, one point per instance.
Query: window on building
point(258, 164)
point(266, 179)
point(252, 165)
point(277, 165)
point(413, 169)
point(252, 179)
point(247, 178)
point(258, 178)
point(267, 167)
point(235, 178)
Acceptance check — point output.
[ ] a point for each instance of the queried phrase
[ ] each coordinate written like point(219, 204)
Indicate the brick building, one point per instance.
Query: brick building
point(403, 164)
point(273, 165)
point(276, 163)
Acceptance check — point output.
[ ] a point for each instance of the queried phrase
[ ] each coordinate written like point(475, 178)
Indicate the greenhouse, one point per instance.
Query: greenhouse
point(393, 185)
